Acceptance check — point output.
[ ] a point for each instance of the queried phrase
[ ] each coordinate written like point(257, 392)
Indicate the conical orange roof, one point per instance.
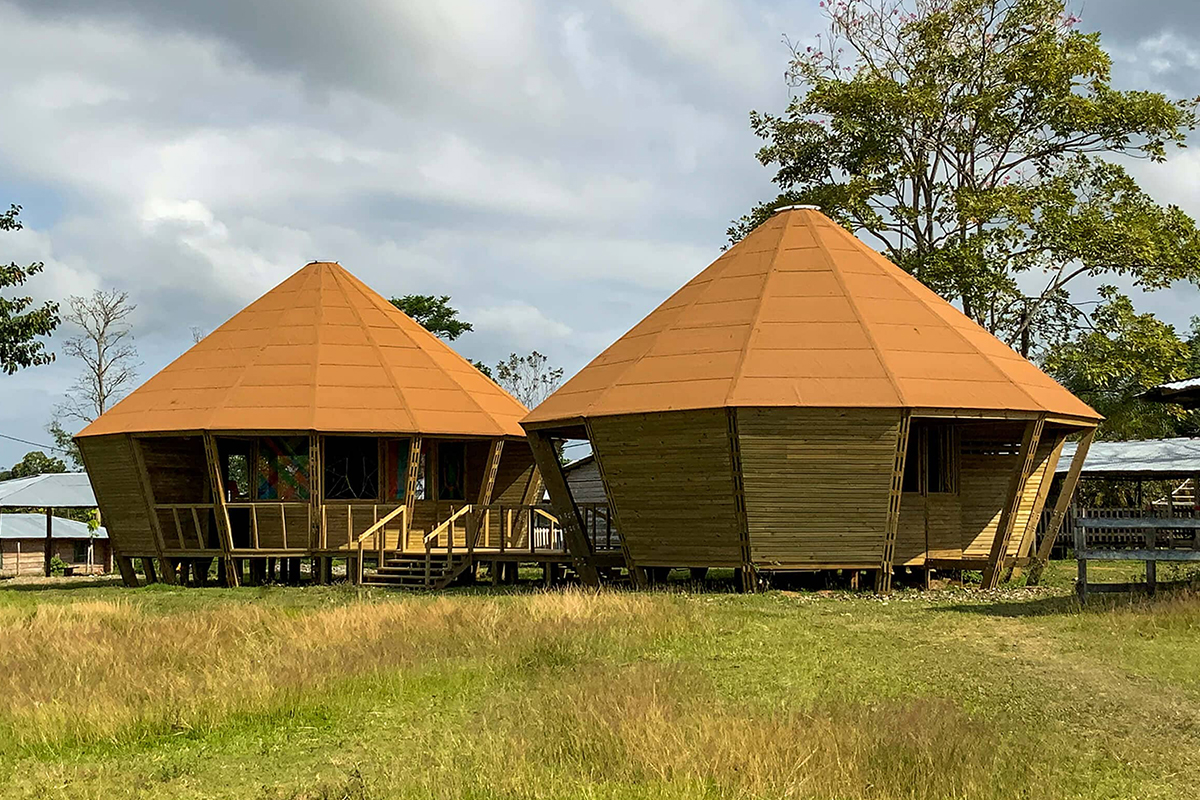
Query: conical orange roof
point(321, 351)
point(802, 313)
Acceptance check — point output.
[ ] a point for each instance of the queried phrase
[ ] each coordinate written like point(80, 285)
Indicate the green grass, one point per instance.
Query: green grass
point(331, 692)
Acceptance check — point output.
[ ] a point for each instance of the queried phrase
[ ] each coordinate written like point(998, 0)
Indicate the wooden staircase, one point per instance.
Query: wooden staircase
point(415, 571)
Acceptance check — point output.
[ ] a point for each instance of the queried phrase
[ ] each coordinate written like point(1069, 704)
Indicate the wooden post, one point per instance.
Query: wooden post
point(1039, 501)
point(636, 572)
point(168, 571)
point(224, 532)
point(487, 486)
point(315, 505)
point(1151, 564)
point(1008, 515)
point(739, 499)
point(883, 578)
point(49, 541)
point(1081, 563)
point(412, 476)
point(1060, 508)
point(564, 507)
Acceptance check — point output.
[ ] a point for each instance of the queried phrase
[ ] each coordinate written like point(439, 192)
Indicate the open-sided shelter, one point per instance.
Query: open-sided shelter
point(317, 421)
point(804, 404)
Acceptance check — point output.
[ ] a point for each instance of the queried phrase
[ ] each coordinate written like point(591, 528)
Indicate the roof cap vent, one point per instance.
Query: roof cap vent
point(801, 207)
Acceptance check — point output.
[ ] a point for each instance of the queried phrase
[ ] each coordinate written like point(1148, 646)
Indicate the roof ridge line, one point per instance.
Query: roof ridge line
point(837, 276)
point(378, 353)
point(762, 296)
point(246, 368)
point(367, 295)
point(470, 395)
point(611, 384)
point(967, 341)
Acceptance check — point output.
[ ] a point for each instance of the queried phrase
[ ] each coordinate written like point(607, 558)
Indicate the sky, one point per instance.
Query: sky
point(557, 168)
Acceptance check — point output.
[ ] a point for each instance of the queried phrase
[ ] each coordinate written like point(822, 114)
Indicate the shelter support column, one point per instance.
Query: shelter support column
point(564, 506)
point(168, 569)
point(883, 579)
point(1035, 514)
point(1008, 515)
point(746, 573)
point(224, 536)
point(315, 475)
point(488, 484)
point(1066, 493)
point(412, 477)
point(636, 573)
point(49, 541)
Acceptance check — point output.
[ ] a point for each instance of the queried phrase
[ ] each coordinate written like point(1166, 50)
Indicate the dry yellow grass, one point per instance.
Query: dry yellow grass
point(318, 693)
point(110, 668)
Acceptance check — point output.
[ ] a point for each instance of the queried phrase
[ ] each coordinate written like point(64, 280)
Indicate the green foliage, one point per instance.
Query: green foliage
point(434, 314)
point(20, 322)
point(65, 444)
point(966, 138)
point(1125, 354)
point(58, 567)
point(35, 462)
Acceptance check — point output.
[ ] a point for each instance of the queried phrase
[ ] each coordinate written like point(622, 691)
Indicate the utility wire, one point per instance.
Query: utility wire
point(34, 444)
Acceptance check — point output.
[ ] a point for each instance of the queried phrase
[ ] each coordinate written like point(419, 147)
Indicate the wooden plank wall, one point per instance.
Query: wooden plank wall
point(817, 483)
point(943, 534)
point(270, 525)
point(586, 484)
point(114, 476)
point(989, 456)
point(669, 476)
point(1031, 502)
point(178, 473)
point(912, 534)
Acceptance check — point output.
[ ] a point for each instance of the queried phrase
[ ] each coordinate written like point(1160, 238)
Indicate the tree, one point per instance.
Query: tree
point(1124, 355)
point(529, 378)
point(973, 142)
point(20, 322)
point(65, 443)
point(434, 314)
point(35, 462)
point(105, 346)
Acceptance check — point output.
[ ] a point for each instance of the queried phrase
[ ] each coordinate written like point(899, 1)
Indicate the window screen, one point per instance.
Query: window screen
point(351, 468)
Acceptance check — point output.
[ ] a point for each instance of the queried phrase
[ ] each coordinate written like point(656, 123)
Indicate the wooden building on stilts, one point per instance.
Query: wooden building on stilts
point(803, 404)
point(319, 423)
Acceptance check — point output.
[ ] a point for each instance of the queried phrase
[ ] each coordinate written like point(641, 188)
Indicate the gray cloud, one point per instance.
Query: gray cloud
point(558, 168)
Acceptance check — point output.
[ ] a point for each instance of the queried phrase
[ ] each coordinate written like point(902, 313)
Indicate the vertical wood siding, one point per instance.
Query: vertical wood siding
point(669, 475)
point(114, 476)
point(818, 483)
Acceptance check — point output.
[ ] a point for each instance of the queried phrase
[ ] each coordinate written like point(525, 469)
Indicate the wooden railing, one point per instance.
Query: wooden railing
point(190, 512)
point(379, 533)
point(1066, 533)
point(269, 511)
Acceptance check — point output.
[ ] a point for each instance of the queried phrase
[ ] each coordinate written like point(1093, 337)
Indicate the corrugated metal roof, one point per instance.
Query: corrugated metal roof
point(321, 351)
point(33, 526)
point(802, 313)
point(60, 490)
point(1177, 458)
point(1185, 392)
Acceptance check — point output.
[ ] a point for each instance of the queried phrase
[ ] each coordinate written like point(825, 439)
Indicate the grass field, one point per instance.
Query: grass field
point(335, 693)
